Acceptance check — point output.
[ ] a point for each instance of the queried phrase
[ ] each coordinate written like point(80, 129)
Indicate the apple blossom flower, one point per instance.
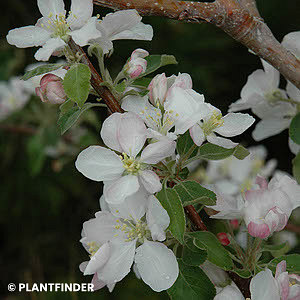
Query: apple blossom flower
point(265, 209)
point(13, 96)
point(121, 25)
point(137, 64)
point(128, 233)
point(230, 125)
point(51, 89)
point(282, 287)
point(124, 174)
point(160, 86)
point(53, 30)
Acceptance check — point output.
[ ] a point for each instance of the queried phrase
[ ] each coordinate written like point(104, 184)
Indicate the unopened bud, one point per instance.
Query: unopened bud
point(223, 238)
point(235, 223)
point(137, 64)
point(158, 89)
point(51, 89)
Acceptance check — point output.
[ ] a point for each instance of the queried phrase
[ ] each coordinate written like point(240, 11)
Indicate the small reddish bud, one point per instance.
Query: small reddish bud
point(235, 223)
point(137, 64)
point(222, 236)
point(51, 89)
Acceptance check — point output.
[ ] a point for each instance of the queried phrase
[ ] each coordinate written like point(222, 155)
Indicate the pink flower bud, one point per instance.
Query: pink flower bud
point(51, 89)
point(137, 64)
point(158, 89)
point(235, 223)
point(223, 238)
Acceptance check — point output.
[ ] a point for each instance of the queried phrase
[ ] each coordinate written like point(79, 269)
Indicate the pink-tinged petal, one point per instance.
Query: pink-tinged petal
point(109, 131)
point(183, 81)
point(280, 268)
point(28, 36)
point(86, 33)
point(150, 181)
point(158, 151)
point(262, 182)
point(83, 265)
point(98, 260)
point(117, 191)
point(157, 265)
point(158, 89)
point(235, 124)
point(98, 163)
point(157, 218)
point(132, 134)
point(276, 219)
point(52, 45)
point(263, 286)
point(222, 142)
point(258, 230)
point(81, 11)
point(97, 284)
point(54, 7)
point(197, 134)
point(119, 263)
point(284, 285)
point(139, 53)
point(100, 229)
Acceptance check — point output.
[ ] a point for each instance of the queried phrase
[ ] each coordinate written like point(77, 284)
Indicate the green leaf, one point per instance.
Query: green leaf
point(193, 256)
point(184, 144)
point(68, 118)
point(142, 82)
point(192, 283)
point(42, 70)
point(216, 253)
point(277, 250)
point(296, 167)
point(214, 152)
point(67, 105)
point(155, 62)
point(77, 83)
point(172, 204)
point(242, 273)
point(295, 129)
point(191, 193)
point(241, 152)
point(292, 263)
point(120, 88)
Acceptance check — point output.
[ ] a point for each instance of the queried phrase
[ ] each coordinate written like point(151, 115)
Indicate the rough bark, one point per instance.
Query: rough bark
point(239, 19)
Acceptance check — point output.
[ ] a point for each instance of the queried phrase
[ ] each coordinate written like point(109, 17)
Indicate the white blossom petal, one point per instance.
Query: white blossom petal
point(98, 260)
point(235, 124)
point(109, 131)
point(292, 42)
point(157, 151)
point(81, 11)
point(197, 134)
point(293, 91)
point(157, 218)
point(98, 163)
point(264, 286)
point(119, 263)
point(222, 142)
point(132, 134)
point(86, 33)
point(230, 292)
point(55, 7)
point(28, 36)
point(269, 127)
point(157, 265)
point(140, 31)
point(151, 181)
point(117, 191)
point(52, 45)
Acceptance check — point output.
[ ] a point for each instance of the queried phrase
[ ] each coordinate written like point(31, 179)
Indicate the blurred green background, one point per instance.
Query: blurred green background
point(41, 213)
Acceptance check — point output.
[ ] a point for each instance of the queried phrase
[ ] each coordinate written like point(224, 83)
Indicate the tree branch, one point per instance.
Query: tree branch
point(238, 19)
point(96, 80)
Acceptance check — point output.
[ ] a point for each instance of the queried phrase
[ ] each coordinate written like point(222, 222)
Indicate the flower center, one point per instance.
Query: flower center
point(133, 229)
point(58, 25)
point(273, 97)
point(212, 123)
point(130, 164)
point(92, 248)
